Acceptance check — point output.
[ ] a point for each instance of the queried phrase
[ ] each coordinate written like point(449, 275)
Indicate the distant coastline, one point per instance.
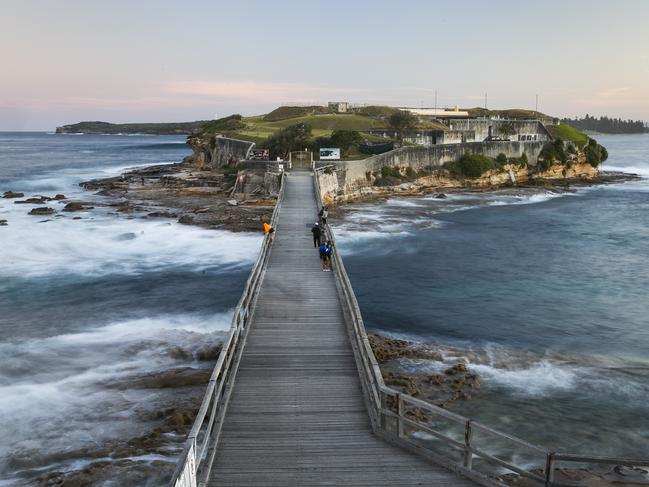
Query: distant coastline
point(171, 128)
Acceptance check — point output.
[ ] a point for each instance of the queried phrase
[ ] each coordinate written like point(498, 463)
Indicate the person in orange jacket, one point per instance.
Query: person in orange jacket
point(268, 230)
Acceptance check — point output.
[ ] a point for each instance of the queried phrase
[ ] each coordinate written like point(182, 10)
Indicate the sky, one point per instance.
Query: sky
point(122, 61)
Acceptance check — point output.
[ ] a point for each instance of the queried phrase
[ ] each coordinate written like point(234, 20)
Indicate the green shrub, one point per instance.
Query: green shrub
point(603, 153)
point(554, 151)
point(411, 173)
point(501, 158)
point(470, 166)
point(388, 181)
point(522, 160)
point(595, 153)
point(544, 164)
point(389, 171)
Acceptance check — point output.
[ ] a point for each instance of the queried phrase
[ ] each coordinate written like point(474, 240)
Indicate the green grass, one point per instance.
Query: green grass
point(569, 134)
point(285, 113)
point(321, 124)
point(507, 113)
point(376, 111)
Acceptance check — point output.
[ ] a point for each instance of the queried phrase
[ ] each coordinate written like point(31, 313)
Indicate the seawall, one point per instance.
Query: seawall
point(351, 176)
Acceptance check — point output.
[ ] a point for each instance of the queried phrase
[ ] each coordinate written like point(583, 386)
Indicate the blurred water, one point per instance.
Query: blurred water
point(86, 302)
point(545, 291)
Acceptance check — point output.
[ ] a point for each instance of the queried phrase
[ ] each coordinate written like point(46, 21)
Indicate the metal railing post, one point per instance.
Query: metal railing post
point(549, 469)
point(468, 435)
point(400, 413)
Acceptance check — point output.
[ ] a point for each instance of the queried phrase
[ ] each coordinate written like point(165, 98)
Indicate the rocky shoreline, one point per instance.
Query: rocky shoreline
point(147, 458)
point(415, 190)
point(204, 198)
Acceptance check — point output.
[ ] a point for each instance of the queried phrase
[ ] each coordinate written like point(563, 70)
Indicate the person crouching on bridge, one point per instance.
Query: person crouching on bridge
point(268, 230)
point(325, 255)
point(317, 234)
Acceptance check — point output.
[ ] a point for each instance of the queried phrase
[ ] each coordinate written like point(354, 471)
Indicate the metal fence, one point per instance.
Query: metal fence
point(444, 437)
point(196, 460)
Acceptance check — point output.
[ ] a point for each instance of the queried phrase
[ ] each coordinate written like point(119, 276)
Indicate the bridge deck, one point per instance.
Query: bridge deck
point(296, 416)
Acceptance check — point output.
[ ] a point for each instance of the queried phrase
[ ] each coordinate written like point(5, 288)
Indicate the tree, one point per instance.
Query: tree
point(345, 139)
point(506, 130)
point(293, 137)
point(402, 120)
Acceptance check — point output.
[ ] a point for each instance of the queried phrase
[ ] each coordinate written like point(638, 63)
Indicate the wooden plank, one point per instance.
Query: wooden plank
point(296, 415)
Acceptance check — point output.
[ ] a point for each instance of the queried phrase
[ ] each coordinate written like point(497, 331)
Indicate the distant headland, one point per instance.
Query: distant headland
point(171, 128)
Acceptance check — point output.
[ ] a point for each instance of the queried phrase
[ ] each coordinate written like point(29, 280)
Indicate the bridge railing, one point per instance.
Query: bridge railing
point(196, 460)
point(454, 441)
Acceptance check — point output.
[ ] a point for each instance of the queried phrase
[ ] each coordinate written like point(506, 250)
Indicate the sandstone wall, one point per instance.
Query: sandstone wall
point(349, 180)
point(354, 174)
point(217, 151)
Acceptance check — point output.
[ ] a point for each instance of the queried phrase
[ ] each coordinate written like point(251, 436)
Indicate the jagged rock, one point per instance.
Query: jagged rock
point(207, 352)
point(11, 194)
point(440, 196)
point(43, 210)
point(437, 379)
point(33, 201)
point(173, 378)
point(186, 220)
point(75, 206)
point(162, 214)
point(459, 368)
point(3, 223)
point(60, 197)
point(233, 202)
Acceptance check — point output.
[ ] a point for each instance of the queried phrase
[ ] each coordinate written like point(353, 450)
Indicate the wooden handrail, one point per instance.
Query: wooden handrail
point(377, 393)
point(196, 459)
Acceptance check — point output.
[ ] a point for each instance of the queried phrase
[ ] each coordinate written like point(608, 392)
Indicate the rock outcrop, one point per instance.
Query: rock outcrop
point(210, 151)
point(42, 210)
point(455, 383)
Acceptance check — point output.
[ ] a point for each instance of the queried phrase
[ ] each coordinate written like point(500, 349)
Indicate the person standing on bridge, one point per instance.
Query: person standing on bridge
point(323, 215)
point(325, 256)
point(317, 234)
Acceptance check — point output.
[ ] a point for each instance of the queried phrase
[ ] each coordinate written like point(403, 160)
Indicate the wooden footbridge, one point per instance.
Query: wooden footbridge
point(297, 398)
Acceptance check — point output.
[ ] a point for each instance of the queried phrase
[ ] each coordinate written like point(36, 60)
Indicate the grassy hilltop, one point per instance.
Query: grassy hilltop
point(322, 121)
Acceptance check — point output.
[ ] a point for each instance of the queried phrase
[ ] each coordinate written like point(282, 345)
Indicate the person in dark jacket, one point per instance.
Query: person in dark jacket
point(323, 214)
point(317, 234)
point(325, 256)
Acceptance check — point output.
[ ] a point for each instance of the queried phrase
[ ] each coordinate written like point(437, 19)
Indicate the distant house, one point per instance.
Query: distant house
point(339, 106)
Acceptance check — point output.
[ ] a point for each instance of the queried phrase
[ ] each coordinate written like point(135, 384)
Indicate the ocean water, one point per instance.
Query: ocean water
point(90, 303)
point(543, 293)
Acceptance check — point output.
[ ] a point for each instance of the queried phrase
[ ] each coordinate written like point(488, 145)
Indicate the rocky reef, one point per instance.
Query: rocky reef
point(211, 197)
point(149, 456)
point(454, 382)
